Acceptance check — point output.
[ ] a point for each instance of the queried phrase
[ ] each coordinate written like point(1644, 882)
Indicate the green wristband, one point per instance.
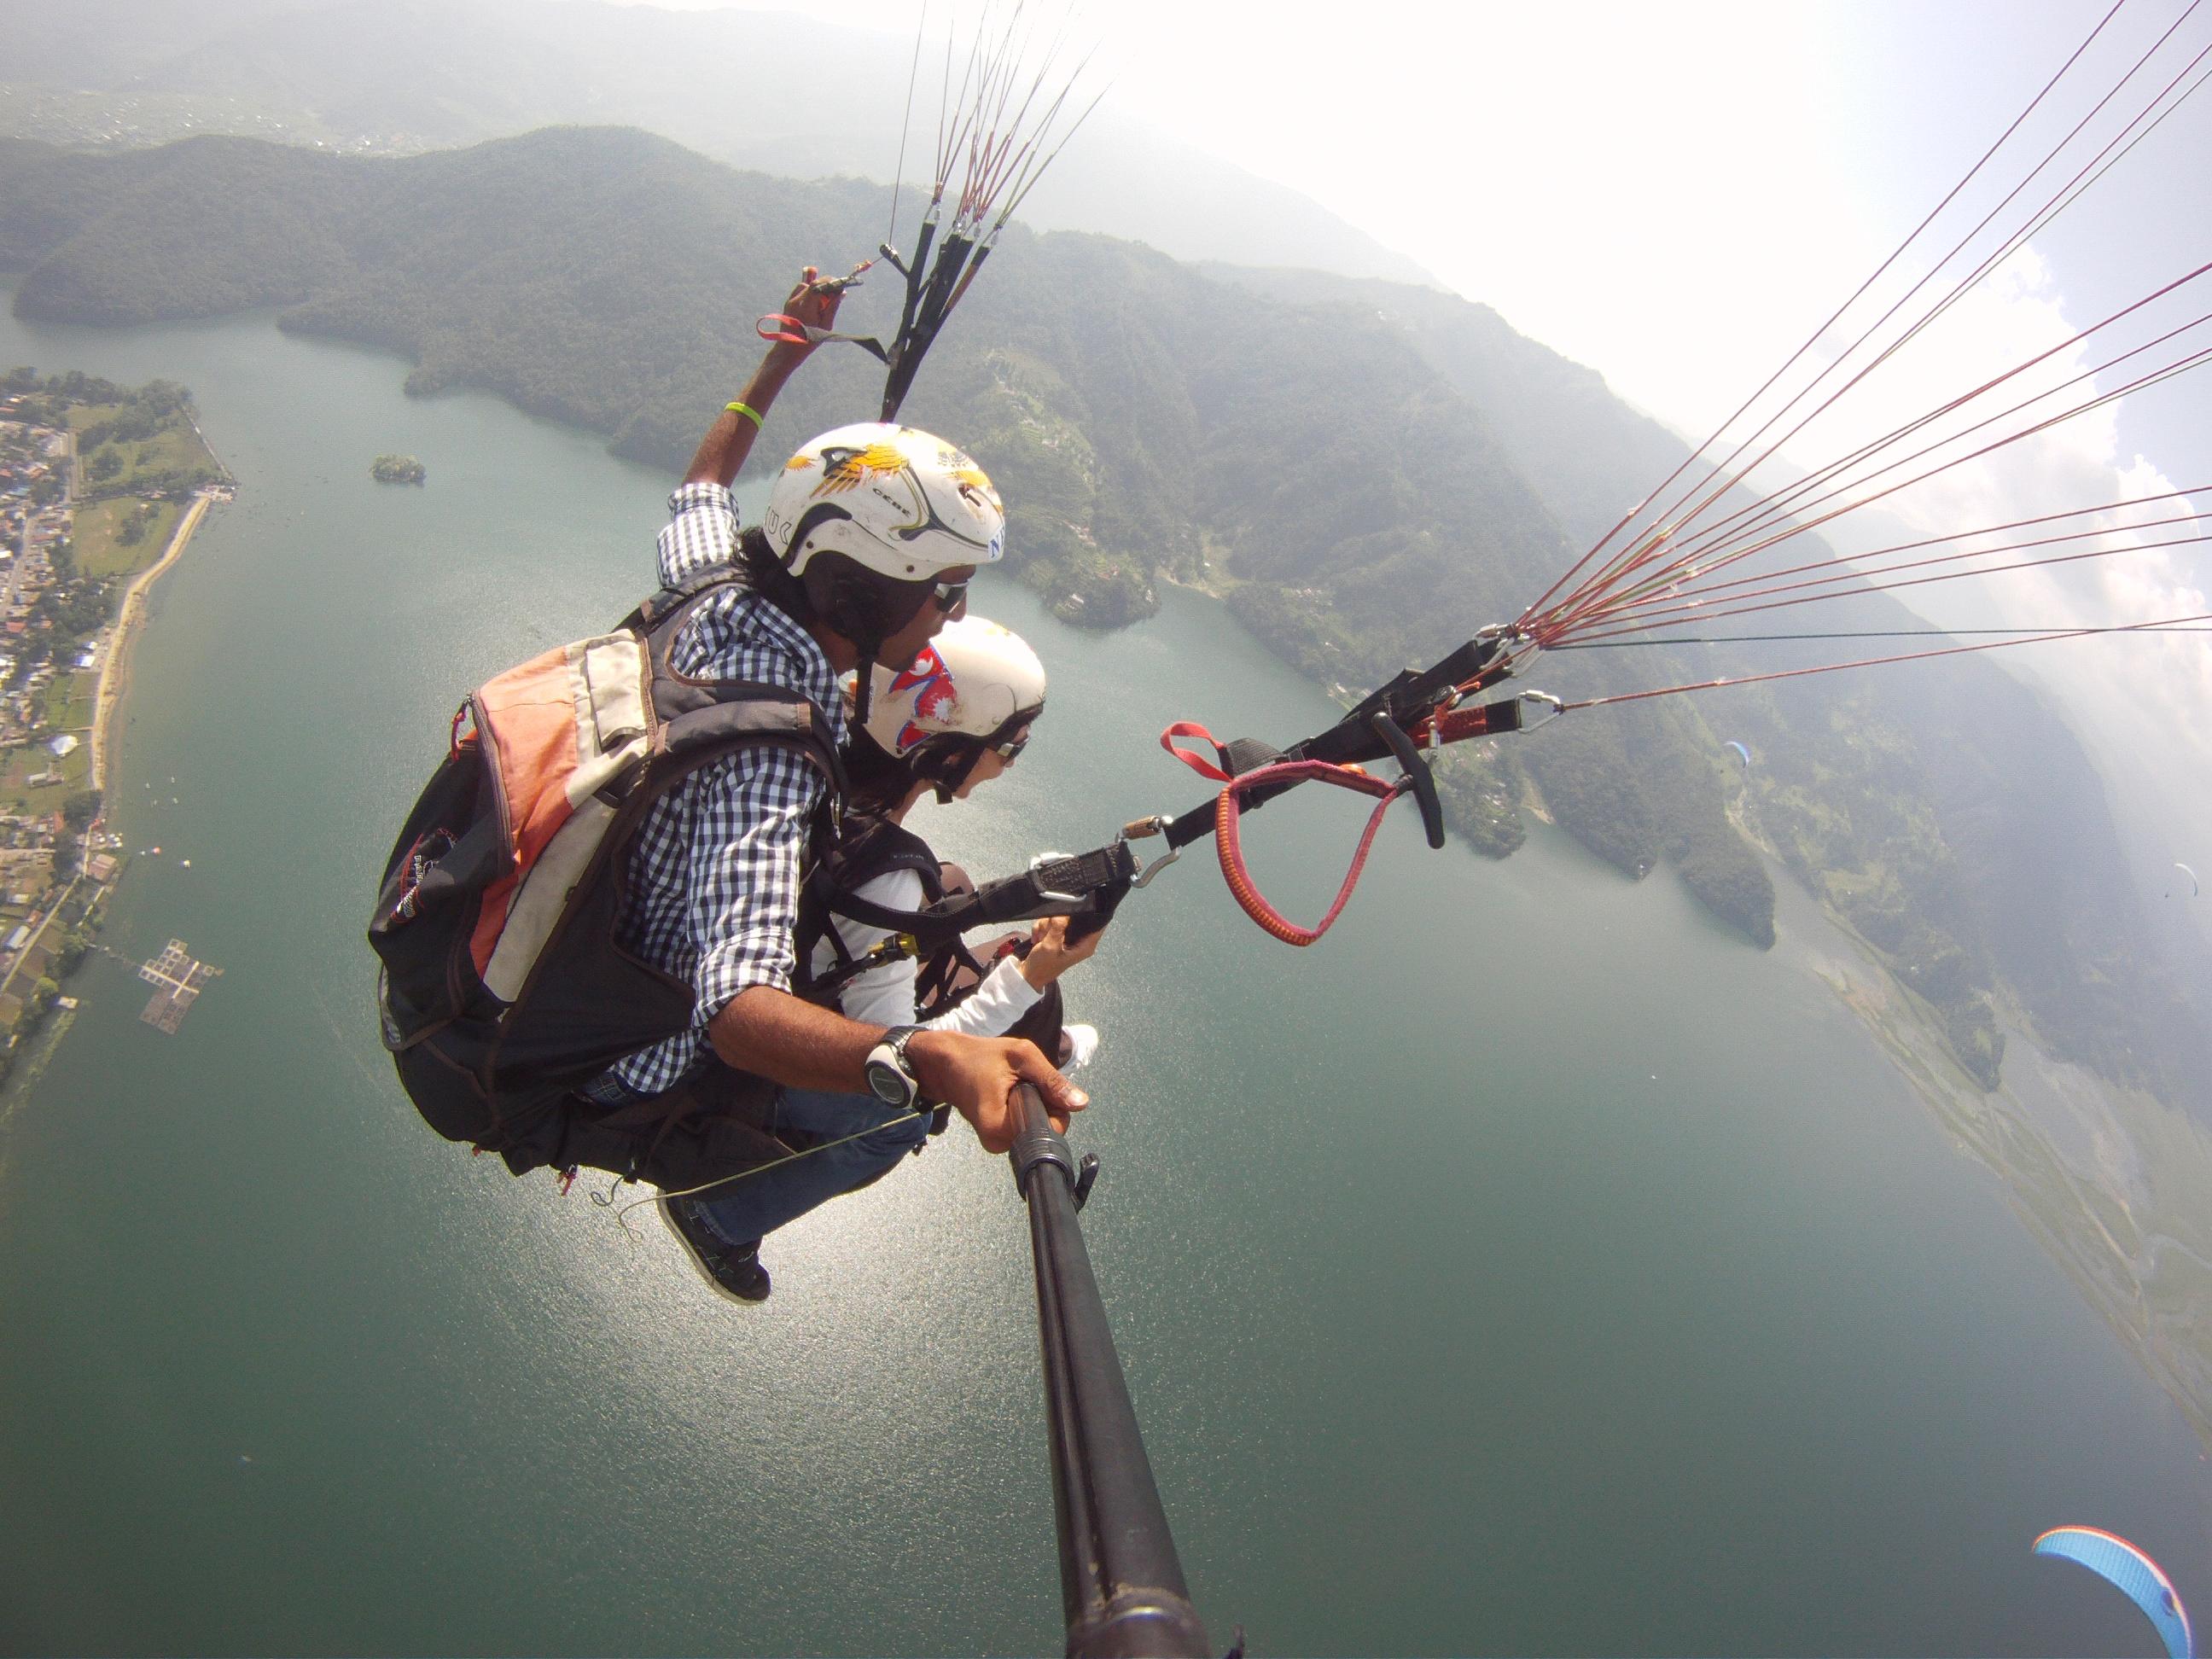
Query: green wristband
point(746, 409)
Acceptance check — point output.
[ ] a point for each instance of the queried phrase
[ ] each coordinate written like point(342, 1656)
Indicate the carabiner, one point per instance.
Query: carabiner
point(1537, 708)
point(839, 284)
point(1155, 868)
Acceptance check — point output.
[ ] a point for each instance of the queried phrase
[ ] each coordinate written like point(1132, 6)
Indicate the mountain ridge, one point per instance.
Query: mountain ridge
point(1368, 484)
point(406, 75)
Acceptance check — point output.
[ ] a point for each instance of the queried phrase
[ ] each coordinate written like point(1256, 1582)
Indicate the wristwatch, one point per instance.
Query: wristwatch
point(890, 1074)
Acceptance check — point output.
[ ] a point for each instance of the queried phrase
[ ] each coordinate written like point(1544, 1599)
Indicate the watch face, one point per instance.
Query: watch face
point(890, 1086)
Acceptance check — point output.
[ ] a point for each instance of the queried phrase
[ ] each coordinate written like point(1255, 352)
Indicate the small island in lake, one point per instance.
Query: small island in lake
point(398, 469)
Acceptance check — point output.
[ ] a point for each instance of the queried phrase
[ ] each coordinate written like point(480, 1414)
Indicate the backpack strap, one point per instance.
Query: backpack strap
point(656, 610)
point(696, 713)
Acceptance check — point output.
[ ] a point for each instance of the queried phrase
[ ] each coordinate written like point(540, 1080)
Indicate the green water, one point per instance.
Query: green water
point(1529, 1268)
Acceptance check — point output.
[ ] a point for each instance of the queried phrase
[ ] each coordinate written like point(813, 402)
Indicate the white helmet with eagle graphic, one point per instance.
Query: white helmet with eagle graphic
point(892, 499)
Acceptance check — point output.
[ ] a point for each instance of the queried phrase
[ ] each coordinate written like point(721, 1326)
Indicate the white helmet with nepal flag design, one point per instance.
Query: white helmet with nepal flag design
point(974, 683)
point(892, 499)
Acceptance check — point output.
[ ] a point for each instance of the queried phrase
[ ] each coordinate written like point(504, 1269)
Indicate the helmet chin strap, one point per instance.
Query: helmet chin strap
point(864, 684)
point(853, 605)
point(949, 768)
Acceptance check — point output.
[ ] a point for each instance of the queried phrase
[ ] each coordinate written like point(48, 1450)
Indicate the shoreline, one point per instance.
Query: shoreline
point(2069, 1165)
point(115, 672)
point(24, 1080)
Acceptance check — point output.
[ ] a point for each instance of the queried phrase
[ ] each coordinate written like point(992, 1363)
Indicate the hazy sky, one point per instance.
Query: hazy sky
point(1677, 193)
point(1668, 191)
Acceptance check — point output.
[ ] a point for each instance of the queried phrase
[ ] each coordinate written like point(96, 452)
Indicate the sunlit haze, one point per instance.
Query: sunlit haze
point(1671, 194)
point(1678, 195)
point(1735, 1177)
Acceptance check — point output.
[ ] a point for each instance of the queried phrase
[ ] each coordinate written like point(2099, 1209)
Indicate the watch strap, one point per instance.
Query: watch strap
point(896, 1040)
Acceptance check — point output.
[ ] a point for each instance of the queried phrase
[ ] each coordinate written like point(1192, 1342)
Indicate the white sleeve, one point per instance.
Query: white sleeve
point(1003, 997)
point(884, 995)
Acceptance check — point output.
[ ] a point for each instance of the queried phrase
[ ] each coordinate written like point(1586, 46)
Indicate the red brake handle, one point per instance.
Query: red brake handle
point(1197, 763)
point(786, 329)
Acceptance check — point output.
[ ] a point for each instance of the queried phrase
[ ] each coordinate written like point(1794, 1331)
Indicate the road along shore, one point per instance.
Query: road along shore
point(115, 668)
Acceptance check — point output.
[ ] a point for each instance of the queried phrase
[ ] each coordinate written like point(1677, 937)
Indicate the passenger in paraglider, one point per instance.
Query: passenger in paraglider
point(955, 718)
point(948, 723)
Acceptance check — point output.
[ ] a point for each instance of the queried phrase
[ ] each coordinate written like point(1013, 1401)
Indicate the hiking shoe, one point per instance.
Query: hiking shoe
point(734, 1270)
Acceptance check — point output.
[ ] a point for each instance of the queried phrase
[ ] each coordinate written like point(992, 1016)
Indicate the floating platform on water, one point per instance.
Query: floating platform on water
point(180, 978)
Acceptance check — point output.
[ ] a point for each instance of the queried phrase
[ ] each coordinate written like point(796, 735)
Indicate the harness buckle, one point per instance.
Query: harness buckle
point(1048, 894)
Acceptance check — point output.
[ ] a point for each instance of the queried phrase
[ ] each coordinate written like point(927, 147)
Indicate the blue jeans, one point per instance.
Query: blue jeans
point(756, 1204)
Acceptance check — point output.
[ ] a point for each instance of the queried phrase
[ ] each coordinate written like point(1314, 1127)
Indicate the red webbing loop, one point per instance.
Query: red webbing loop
point(1198, 763)
point(1225, 842)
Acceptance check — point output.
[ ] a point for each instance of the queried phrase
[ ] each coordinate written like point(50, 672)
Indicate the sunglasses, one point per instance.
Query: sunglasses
point(1014, 745)
point(949, 596)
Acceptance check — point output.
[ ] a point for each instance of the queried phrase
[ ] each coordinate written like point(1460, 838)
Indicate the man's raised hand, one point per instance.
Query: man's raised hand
point(812, 303)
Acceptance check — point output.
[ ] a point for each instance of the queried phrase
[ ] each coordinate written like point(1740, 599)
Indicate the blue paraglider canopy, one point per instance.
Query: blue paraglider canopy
point(1742, 754)
point(2194, 886)
point(2138, 1578)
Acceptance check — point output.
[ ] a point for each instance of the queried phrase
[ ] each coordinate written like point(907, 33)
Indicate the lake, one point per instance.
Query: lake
point(1531, 1267)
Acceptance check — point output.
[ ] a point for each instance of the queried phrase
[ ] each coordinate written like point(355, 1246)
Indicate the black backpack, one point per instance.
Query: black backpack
point(502, 990)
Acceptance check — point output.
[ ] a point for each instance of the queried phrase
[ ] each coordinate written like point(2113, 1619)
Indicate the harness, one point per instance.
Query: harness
point(869, 847)
point(1085, 887)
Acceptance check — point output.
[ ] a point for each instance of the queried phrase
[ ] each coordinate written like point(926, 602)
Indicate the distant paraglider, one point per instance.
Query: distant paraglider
point(1742, 754)
point(2194, 886)
point(2133, 1574)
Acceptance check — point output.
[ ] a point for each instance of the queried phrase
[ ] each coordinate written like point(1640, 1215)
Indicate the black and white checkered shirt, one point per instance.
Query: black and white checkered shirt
point(714, 874)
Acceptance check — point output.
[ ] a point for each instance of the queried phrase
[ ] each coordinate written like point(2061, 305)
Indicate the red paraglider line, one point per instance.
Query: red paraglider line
point(1877, 662)
point(1705, 609)
point(1686, 613)
point(2049, 209)
point(1704, 588)
point(1546, 630)
point(1591, 598)
point(1659, 542)
point(1712, 548)
point(1644, 613)
point(1897, 253)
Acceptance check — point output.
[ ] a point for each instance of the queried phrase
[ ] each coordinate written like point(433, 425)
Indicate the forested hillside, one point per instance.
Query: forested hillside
point(1952, 819)
point(1369, 472)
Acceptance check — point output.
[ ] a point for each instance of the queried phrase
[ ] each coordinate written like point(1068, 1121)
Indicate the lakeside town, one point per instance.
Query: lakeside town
point(101, 487)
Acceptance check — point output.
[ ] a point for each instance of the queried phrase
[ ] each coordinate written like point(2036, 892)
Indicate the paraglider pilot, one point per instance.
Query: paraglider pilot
point(864, 555)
